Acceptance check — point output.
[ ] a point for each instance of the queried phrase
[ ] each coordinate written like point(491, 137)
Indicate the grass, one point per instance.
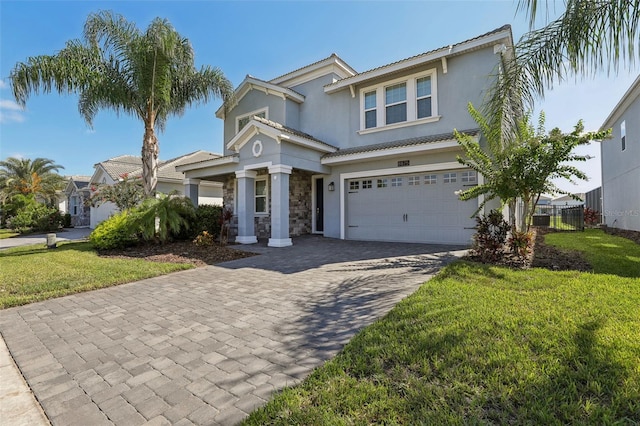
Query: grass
point(489, 345)
point(33, 273)
point(7, 233)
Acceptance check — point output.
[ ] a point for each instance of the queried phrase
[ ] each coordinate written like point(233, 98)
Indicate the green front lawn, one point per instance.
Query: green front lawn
point(32, 273)
point(7, 233)
point(488, 345)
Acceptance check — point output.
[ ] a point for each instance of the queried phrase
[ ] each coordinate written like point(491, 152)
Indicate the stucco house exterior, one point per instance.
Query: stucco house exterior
point(77, 192)
point(620, 157)
point(169, 180)
point(355, 155)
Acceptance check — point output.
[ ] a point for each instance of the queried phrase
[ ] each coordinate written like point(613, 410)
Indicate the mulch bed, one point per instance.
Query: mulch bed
point(630, 235)
point(541, 256)
point(178, 252)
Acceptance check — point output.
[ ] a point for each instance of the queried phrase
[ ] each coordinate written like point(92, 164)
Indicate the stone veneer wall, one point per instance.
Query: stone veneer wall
point(299, 205)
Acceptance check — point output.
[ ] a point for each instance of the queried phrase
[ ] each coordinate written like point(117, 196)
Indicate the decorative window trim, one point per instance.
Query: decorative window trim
point(396, 182)
point(450, 177)
point(468, 177)
point(265, 196)
point(411, 102)
point(250, 114)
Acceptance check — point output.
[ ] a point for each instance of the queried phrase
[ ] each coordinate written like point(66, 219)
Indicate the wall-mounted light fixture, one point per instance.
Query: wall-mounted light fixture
point(332, 186)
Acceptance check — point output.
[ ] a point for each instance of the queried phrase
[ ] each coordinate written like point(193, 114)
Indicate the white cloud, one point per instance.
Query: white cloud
point(10, 112)
point(8, 104)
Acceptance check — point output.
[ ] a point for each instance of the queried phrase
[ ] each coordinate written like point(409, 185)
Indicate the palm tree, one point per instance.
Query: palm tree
point(27, 177)
point(150, 75)
point(590, 36)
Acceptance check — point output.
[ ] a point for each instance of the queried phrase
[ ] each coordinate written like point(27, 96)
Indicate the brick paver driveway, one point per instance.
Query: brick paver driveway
point(209, 345)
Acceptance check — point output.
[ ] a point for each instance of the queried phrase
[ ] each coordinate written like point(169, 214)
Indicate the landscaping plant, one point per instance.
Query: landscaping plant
point(491, 235)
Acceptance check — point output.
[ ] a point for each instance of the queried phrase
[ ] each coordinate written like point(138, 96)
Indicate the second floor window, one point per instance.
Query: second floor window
point(396, 103)
point(399, 102)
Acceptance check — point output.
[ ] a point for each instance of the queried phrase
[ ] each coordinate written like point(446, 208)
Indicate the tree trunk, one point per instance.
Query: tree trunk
point(150, 162)
point(512, 214)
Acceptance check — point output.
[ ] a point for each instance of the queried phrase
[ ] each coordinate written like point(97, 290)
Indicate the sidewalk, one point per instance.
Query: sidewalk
point(68, 234)
point(18, 406)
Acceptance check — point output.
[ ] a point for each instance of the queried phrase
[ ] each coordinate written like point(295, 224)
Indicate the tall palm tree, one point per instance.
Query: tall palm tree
point(150, 75)
point(24, 176)
point(590, 36)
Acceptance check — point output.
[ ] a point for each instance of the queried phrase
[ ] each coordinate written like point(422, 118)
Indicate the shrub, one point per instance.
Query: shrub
point(66, 222)
point(204, 239)
point(36, 217)
point(163, 218)
point(591, 217)
point(521, 243)
point(118, 231)
point(206, 218)
point(490, 236)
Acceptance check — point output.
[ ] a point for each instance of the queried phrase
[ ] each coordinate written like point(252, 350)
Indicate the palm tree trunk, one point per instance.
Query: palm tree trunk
point(150, 162)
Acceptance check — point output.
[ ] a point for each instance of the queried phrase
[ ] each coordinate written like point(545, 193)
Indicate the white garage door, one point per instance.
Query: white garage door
point(419, 207)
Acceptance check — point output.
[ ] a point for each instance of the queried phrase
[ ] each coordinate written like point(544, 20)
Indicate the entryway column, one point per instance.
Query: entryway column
point(191, 187)
point(280, 205)
point(246, 207)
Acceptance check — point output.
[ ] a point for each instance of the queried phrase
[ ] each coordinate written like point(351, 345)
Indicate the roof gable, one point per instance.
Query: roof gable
point(279, 132)
point(333, 64)
point(252, 83)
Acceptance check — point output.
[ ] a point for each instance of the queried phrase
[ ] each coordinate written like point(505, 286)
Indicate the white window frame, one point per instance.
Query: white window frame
point(431, 179)
point(266, 196)
point(367, 184)
point(396, 181)
point(365, 110)
point(468, 176)
point(450, 177)
point(250, 114)
point(411, 101)
point(354, 185)
point(413, 181)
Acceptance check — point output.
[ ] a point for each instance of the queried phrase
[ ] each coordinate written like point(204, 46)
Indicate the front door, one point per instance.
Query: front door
point(319, 205)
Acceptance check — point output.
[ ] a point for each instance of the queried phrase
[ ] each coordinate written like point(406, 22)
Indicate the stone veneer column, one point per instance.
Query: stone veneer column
point(280, 205)
point(191, 187)
point(246, 207)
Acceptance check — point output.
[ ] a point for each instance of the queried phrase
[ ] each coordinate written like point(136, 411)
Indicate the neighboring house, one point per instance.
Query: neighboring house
point(169, 180)
point(362, 156)
point(543, 201)
point(568, 201)
point(77, 193)
point(620, 158)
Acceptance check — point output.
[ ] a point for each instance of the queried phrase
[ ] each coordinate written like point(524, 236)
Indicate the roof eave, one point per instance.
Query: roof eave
point(420, 60)
point(446, 145)
point(629, 96)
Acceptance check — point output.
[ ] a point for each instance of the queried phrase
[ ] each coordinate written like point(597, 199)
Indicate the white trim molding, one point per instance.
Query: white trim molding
point(191, 181)
point(230, 159)
point(280, 242)
point(280, 168)
point(251, 174)
point(451, 165)
point(246, 239)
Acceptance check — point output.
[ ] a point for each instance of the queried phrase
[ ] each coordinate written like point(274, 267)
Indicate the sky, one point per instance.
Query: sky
point(265, 39)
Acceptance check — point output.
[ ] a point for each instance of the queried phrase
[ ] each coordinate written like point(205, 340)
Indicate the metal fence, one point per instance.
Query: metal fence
point(559, 217)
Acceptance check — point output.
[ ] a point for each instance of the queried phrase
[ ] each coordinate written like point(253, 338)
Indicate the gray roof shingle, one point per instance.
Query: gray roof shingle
point(399, 144)
point(290, 130)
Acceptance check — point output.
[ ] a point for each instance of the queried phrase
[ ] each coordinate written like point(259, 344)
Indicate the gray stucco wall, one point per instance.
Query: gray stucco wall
point(621, 172)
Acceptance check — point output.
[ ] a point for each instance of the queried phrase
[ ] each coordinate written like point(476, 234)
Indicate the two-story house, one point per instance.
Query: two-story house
point(620, 157)
point(363, 156)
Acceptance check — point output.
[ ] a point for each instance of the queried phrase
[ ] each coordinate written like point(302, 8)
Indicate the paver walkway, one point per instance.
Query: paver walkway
point(207, 346)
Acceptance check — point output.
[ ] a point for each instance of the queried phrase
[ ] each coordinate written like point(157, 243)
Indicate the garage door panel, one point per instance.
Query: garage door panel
point(411, 213)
